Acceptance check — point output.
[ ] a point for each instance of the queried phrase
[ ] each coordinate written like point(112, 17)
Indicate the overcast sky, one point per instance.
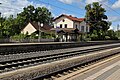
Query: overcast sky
point(57, 7)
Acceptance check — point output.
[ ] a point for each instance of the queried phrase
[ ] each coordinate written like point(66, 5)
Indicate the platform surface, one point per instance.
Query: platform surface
point(108, 71)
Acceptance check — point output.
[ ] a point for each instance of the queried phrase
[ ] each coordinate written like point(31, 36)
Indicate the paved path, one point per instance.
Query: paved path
point(108, 71)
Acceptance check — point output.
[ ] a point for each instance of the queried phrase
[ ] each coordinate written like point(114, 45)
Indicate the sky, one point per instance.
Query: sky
point(75, 8)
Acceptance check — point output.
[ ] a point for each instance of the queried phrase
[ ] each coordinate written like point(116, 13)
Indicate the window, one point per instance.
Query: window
point(86, 28)
point(76, 25)
point(82, 28)
point(63, 20)
point(60, 25)
point(65, 25)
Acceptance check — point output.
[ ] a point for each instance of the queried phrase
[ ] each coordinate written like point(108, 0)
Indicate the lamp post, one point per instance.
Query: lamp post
point(0, 25)
point(39, 35)
point(0, 12)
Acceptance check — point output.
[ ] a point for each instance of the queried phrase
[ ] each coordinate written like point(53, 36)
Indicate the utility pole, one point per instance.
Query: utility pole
point(39, 35)
point(118, 27)
point(118, 30)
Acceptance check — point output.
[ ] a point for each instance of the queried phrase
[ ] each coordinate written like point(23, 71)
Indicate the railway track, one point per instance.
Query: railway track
point(66, 73)
point(6, 66)
point(21, 63)
point(33, 47)
point(21, 56)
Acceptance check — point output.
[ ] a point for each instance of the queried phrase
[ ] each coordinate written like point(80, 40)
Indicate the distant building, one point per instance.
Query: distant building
point(69, 27)
point(33, 27)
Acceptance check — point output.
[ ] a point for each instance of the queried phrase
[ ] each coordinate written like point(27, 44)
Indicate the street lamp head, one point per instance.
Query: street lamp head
point(41, 24)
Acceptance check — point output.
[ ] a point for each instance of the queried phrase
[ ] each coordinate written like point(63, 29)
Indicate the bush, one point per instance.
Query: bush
point(33, 36)
point(20, 36)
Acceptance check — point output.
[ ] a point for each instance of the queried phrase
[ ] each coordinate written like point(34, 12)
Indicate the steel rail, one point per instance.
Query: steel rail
point(21, 63)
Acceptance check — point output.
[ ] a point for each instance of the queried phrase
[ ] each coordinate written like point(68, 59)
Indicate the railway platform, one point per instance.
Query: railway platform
point(106, 70)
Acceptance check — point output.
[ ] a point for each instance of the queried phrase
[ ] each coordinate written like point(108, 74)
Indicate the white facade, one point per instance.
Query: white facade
point(29, 28)
point(60, 21)
point(84, 27)
point(77, 25)
point(81, 26)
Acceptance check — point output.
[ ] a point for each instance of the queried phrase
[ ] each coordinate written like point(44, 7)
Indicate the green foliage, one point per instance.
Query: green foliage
point(2, 19)
point(85, 37)
point(47, 35)
point(94, 35)
point(9, 27)
point(33, 36)
point(108, 35)
point(107, 38)
point(12, 26)
point(30, 13)
point(44, 35)
point(112, 35)
point(19, 36)
point(118, 34)
point(96, 18)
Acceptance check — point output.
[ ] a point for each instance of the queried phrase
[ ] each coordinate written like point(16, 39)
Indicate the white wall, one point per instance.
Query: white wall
point(70, 24)
point(60, 21)
point(83, 23)
point(29, 28)
point(78, 25)
point(88, 28)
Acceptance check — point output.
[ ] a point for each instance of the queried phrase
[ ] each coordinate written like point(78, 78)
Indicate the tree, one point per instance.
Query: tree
point(13, 25)
point(96, 18)
point(9, 27)
point(30, 13)
point(43, 15)
point(2, 19)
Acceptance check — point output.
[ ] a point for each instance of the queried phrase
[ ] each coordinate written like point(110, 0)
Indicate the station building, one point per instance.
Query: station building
point(68, 28)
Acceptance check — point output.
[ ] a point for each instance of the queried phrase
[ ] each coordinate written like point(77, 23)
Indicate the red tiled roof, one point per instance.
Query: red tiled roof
point(71, 18)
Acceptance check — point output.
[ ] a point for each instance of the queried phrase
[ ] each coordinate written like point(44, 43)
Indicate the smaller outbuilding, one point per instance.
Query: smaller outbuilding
point(34, 27)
